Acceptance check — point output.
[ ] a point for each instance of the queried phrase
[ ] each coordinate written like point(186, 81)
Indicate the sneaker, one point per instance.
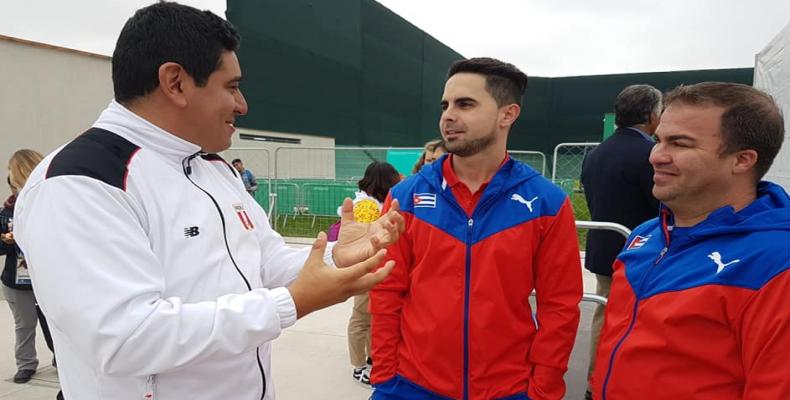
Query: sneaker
point(59, 396)
point(23, 375)
point(362, 375)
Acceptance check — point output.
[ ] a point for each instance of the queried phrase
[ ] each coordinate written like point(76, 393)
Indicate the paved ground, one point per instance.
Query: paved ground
point(310, 359)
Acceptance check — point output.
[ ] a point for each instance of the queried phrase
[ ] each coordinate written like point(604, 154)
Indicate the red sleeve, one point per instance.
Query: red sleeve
point(764, 335)
point(558, 286)
point(386, 300)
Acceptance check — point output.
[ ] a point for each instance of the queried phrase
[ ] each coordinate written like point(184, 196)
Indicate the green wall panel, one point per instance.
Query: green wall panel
point(351, 69)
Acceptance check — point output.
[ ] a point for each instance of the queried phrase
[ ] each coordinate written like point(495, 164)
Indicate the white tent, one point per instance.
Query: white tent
point(772, 75)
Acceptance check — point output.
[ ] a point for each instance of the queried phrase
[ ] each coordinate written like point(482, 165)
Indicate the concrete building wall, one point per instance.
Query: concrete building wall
point(49, 96)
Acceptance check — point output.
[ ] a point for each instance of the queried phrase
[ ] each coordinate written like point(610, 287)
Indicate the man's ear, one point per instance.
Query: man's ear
point(745, 161)
point(172, 78)
point(508, 115)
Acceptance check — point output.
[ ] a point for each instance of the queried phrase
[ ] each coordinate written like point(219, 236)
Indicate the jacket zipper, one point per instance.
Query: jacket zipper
point(468, 271)
point(480, 208)
point(617, 347)
point(661, 255)
point(150, 388)
point(187, 172)
point(467, 284)
point(645, 279)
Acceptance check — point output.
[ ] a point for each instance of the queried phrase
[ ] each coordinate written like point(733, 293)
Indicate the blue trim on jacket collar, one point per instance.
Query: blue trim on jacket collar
point(510, 174)
point(769, 211)
point(743, 249)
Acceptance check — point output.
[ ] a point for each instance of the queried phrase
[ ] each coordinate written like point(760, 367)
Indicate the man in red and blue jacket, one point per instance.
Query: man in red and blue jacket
point(453, 319)
point(699, 304)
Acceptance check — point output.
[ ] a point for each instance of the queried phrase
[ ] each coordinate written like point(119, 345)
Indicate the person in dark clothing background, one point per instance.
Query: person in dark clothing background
point(16, 282)
point(618, 181)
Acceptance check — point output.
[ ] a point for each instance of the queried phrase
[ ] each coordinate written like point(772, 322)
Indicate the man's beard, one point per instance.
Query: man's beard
point(467, 148)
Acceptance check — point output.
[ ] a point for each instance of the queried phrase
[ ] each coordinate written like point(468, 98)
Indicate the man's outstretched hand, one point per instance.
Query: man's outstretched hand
point(359, 241)
point(319, 285)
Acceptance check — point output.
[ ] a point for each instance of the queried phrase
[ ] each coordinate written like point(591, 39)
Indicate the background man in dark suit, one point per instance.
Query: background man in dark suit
point(618, 184)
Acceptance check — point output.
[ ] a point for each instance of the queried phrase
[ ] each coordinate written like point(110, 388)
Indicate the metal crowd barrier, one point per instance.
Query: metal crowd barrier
point(534, 159)
point(568, 158)
point(605, 226)
point(308, 183)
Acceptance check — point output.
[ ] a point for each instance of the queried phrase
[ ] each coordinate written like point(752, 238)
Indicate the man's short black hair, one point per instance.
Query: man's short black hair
point(168, 32)
point(504, 81)
point(235, 160)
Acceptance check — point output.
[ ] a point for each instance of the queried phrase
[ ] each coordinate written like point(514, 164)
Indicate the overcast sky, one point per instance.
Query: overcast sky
point(542, 37)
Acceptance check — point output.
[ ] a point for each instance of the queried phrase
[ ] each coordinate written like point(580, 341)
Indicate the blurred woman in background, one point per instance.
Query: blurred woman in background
point(15, 278)
point(431, 152)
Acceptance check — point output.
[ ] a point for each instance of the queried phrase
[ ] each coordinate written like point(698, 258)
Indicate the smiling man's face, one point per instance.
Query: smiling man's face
point(688, 160)
point(213, 108)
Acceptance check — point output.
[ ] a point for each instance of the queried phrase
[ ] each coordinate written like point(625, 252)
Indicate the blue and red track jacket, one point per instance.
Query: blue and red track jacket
point(453, 319)
point(701, 312)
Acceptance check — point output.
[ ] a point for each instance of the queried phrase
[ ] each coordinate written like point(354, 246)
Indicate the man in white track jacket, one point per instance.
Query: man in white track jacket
point(160, 275)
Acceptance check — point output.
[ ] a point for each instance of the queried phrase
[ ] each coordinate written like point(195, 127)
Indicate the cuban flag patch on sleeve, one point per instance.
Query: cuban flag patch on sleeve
point(638, 242)
point(427, 200)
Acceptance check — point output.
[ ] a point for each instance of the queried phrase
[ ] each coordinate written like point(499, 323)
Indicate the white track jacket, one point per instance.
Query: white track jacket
point(159, 275)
